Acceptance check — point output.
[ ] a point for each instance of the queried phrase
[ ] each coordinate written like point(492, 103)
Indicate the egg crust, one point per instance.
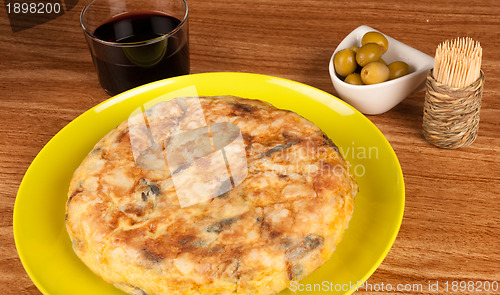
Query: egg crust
point(279, 224)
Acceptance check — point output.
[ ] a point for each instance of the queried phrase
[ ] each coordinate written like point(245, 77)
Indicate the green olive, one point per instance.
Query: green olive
point(354, 48)
point(368, 53)
point(398, 69)
point(345, 62)
point(376, 37)
point(382, 61)
point(354, 79)
point(374, 72)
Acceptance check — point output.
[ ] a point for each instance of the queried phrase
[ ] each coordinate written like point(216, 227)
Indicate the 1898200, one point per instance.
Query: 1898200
point(33, 8)
point(471, 286)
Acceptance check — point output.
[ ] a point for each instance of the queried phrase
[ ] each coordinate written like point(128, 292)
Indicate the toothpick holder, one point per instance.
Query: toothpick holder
point(451, 115)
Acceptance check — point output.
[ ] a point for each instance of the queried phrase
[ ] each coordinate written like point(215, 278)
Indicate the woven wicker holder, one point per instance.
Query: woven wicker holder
point(451, 115)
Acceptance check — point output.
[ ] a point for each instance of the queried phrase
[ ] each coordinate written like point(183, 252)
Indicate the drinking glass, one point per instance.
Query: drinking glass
point(134, 42)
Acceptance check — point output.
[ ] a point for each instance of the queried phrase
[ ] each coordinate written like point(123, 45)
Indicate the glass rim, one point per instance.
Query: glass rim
point(132, 44)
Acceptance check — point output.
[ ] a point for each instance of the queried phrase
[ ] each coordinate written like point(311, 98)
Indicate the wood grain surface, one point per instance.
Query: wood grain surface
point(450, 230)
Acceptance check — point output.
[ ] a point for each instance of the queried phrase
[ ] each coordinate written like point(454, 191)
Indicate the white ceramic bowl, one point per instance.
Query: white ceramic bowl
point(379, 98)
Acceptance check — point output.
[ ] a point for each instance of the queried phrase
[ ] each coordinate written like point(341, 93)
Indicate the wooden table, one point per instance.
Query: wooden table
point(450, 230)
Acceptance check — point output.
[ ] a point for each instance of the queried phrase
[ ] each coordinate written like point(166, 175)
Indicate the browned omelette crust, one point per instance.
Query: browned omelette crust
point(281, 223)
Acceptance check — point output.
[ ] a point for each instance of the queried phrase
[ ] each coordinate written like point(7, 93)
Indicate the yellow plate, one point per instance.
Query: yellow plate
point(40, 234)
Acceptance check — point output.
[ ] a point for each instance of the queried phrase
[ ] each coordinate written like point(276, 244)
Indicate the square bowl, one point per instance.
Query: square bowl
point(379, 98)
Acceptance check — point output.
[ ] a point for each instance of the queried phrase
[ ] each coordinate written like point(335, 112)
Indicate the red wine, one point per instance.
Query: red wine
point(129, 64)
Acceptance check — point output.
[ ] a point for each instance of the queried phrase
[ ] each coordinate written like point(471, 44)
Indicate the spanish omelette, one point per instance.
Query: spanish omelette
point(272, 220)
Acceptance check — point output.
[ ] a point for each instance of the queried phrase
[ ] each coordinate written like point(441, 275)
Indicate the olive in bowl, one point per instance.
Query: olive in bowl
point(368, 58)
point(381, 97)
